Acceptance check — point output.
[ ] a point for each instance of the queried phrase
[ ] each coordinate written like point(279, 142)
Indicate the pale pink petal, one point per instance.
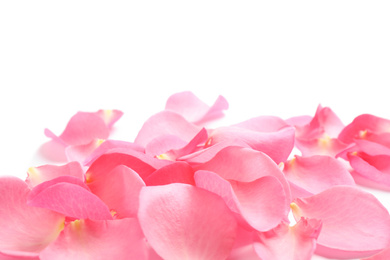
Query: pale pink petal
point(181, 221)
point(355, 223)
point(119, 239)
point(118, 189)
point(24, 228)
point(284, 242)
point(262, 202)
point(82, 128)
point(362, 125)
point(383, 255)
point(107, 162)
point(178, 172)
point(109, 117)
point(166, 123)
point(245, 165)
point(316, 173)
point(299, 120)
point(209, 152)
point(199, 139)
point(37, 175)
point(54, 151)
point(324, 121)
point(277, 145)
point(320, 146)
point(193, 109)
point(18, 255)
point(371, 171)
point(110, 145)
point(266, 124)
point(70, 199)
point(162, 144)
point(79, 153)
point(245, 252)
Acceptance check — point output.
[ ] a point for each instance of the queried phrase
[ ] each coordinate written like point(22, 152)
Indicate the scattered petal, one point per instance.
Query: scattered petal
point(181, 221)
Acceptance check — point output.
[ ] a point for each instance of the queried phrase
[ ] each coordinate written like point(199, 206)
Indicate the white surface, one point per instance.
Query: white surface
point(267, 58)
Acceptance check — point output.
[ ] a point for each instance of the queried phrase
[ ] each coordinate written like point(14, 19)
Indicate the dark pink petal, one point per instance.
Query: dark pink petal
point(277, 145)
point(119, 239)
point(181, 221)
point(109, 117)
point(178, 172)
point(119, 190)
point(37, 175)
point(262, 202)
point(69, 199)
point(108, 162)
point(363, 125)
point(316, 173)
point(284, 242)
point(244, 165)
point(355, 223)
point(193, 109)
point(24, 228)
point(166, 123)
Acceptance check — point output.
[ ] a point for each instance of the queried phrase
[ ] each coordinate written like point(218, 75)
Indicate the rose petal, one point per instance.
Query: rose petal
point(284, 242)
point(262, 202)
point(277, 145)
point(24, 228)
point(316, 173)
point(355, 223)
point(181, 221)
point(178, 172)
point(37, 175)
point(69, 199)
point(109, 239)
point(119, 190)
point(245, 165)
point(193, 109)
point(166, 123)
point(108, 162)
point(363, 124)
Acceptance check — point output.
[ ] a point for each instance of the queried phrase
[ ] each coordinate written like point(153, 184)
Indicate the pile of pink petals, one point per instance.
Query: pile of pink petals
point(182, 190)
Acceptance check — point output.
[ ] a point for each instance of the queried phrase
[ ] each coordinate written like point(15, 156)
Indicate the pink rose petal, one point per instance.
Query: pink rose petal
point(119, 190)
point(37, 175)
point(284, 242)
point(109, 239)
point(24, 228)
point(277, 145)
point(262, 202)
point(316, 173)
point(245, 165)
point(181, 221)
point(362, 125)
point(108, 162)
point(178, 172)
point(166, 123)
point(193, 109)
point(355, 223)
point(70, 199)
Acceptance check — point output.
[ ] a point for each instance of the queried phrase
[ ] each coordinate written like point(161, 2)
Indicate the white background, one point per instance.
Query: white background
point(266, 58)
